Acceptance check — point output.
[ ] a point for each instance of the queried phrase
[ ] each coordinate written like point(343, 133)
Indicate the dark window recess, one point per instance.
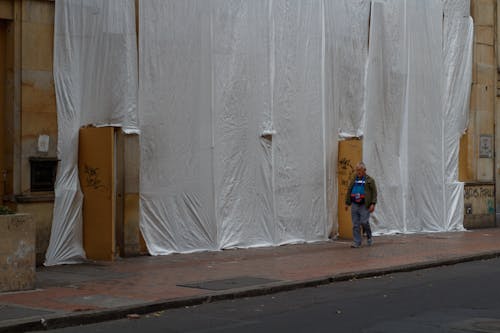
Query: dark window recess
point(43, 173)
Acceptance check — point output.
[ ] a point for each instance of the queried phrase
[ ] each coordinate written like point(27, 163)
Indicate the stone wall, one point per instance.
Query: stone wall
point(27, 104)
point(38, 103)
point(477, 147)
point(41, 213)
point(475, 166)
point(17, 252)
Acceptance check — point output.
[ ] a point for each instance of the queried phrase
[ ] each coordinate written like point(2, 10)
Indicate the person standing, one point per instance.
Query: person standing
point(362, 197)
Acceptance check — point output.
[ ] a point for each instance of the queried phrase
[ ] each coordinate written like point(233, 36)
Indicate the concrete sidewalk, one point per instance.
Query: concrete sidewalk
point(77, 294)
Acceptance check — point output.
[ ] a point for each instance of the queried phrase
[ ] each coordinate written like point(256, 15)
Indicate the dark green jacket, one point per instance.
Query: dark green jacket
point(370, 191)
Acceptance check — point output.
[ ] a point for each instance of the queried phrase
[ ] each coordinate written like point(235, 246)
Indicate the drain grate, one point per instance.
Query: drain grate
point(231, 283)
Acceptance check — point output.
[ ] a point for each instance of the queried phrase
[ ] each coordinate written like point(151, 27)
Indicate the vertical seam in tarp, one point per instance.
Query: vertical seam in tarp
point(272, 68)
point(404, 138)
point(323, 107)
point(444, 156)
point(213, 125)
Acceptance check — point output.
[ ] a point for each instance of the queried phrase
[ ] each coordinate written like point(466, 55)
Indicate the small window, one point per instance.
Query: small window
point(43, 173)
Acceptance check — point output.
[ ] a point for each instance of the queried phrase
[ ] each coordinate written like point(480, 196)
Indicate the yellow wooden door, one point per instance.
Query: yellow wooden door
point(350, 153)
point(96, 171)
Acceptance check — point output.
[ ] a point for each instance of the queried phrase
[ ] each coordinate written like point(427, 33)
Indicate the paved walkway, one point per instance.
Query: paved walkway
point(77, 294)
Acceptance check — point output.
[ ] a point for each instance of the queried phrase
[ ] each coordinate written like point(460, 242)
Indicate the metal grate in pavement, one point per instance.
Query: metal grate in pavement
point(231, 283)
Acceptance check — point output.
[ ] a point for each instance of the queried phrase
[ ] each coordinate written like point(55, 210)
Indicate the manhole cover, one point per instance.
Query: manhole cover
point(231, 283)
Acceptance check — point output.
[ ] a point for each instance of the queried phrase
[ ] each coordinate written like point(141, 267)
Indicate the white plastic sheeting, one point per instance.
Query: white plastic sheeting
point(274, 81)
point(242, 103)
point(242, 110)
point(232, 134)
point(348, 25)
point(383, 141)
point(418, 83)
point(298, 113)
point(95, 70)
point(346, 43)
point(458, 42)
point(175, 99)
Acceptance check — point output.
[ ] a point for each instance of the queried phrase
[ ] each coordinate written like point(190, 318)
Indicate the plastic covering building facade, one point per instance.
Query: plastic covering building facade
point(235, 110)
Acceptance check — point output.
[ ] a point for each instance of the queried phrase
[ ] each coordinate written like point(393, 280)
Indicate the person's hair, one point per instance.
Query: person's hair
point(361, 165)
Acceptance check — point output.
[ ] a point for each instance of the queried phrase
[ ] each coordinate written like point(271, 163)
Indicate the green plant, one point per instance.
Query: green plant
point(4, 210)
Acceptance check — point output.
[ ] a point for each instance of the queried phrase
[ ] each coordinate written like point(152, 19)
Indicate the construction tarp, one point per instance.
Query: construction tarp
point(232, 124)
point(417, 98)
point(348, 23)
point(95, 73)
point(242, 104)
point(280, 80)
point(458, 32)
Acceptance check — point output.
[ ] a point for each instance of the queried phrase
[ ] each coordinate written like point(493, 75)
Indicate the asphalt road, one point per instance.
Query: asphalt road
point(459, 298)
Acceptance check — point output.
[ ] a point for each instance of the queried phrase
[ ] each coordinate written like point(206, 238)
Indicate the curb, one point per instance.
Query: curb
point(90, 317)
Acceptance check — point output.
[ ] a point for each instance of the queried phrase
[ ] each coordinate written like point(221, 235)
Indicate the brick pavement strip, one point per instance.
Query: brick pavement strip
point(68, 295)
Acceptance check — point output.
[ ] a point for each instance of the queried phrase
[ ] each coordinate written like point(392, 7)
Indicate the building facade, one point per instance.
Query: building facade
point(28, 134)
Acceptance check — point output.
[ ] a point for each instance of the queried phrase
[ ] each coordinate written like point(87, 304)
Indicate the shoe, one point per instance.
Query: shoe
point(355, 246)
point(370, 241)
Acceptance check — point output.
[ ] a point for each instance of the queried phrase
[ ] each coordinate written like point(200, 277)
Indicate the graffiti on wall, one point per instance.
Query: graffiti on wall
point(346, 169)
point(92, 177)
point(479, 199)
point(479, 192)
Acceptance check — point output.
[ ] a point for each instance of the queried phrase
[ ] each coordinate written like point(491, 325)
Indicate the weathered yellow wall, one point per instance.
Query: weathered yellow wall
point(482, 104)
point(38, 105)
point(480, 172)
point(11, 48)
point(29, 104)
point(466, 158)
